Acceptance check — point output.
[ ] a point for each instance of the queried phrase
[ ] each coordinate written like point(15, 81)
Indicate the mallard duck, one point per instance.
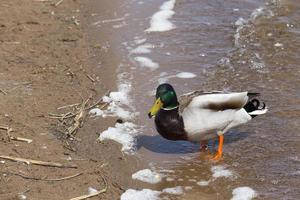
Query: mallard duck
point(199, 116)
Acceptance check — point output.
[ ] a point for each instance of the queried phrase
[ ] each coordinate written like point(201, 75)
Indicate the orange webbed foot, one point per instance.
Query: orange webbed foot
point(216, 158)
point(219, 153)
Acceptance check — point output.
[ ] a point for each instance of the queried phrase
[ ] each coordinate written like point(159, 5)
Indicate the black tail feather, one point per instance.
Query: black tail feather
point(254, 104)
point(253, 94)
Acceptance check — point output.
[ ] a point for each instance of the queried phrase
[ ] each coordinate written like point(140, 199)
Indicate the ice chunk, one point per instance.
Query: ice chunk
point(221, 171)
point(96, 112)
point(146, 62)
point(124, 134)
point(186, 75)
point(160, 20)
point(243, 193)
point(142, 49)
point(203, 183)
point(146, 175)
point(175, 190)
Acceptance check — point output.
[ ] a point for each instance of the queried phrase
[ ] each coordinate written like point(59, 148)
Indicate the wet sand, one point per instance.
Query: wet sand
point(49, 60)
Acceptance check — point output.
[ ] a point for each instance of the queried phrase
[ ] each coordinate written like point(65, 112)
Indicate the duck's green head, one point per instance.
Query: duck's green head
point(165, 99)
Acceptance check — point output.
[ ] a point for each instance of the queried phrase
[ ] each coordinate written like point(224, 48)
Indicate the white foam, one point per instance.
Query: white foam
point(168, 5)
point(186, 75)
point(203, 183)
point(117, 101)
point(296, 173)
point(160, 20)
point(106, 99)
point(146, 62)
point(163, 80)
point(220, 171)
point(170, 179)
point(142, 49)
point(277, 44)
point(295, 158)
point(145, 194)
point(148, 176)
point(170, 171)
point(243, 193)
point(96, 112)
point(124, 134)
point(140, 41)
point(240, 22)
point(257, 12)
point(175, 190)
point(122, 94)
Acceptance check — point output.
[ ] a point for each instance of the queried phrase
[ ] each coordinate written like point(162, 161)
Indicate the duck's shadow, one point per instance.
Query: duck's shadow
point(158, 144)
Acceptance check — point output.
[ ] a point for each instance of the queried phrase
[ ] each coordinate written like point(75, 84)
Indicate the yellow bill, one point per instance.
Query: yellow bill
point(155, 108)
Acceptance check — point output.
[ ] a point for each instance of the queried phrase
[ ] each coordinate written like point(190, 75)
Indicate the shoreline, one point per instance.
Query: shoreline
point(51, 58)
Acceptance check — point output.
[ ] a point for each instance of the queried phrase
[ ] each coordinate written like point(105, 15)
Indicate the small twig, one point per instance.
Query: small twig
point(70, 115)
point(64, 178)
point(94, 194)
point(104, 105)
point(37, 162)
point(78, 119)
point(25, 191)
point(4, 127)
point(62, 116)
point(90, 195)
point(44, 179)
point(99, 101)
point(71, 136)
point(8, 131)
point(68, 146)
point(68, 106)
point(93, 80)
point(2, 91)
point(21, 139)
point(76, 22)
point(59, 2)
point(95, 104)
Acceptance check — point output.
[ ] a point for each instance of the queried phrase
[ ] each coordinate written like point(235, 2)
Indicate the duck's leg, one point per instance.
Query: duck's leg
point(219, 153)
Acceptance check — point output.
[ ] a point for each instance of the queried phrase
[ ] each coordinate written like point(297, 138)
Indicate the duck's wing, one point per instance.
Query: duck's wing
point(185, 99)
point(220, 101)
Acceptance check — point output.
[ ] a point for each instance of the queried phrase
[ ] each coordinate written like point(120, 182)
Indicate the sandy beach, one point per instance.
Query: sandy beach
point(46, 64)
point(77, 79)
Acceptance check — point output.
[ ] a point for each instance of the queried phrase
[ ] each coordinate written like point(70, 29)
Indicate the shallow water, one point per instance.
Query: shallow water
point(251, 45)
